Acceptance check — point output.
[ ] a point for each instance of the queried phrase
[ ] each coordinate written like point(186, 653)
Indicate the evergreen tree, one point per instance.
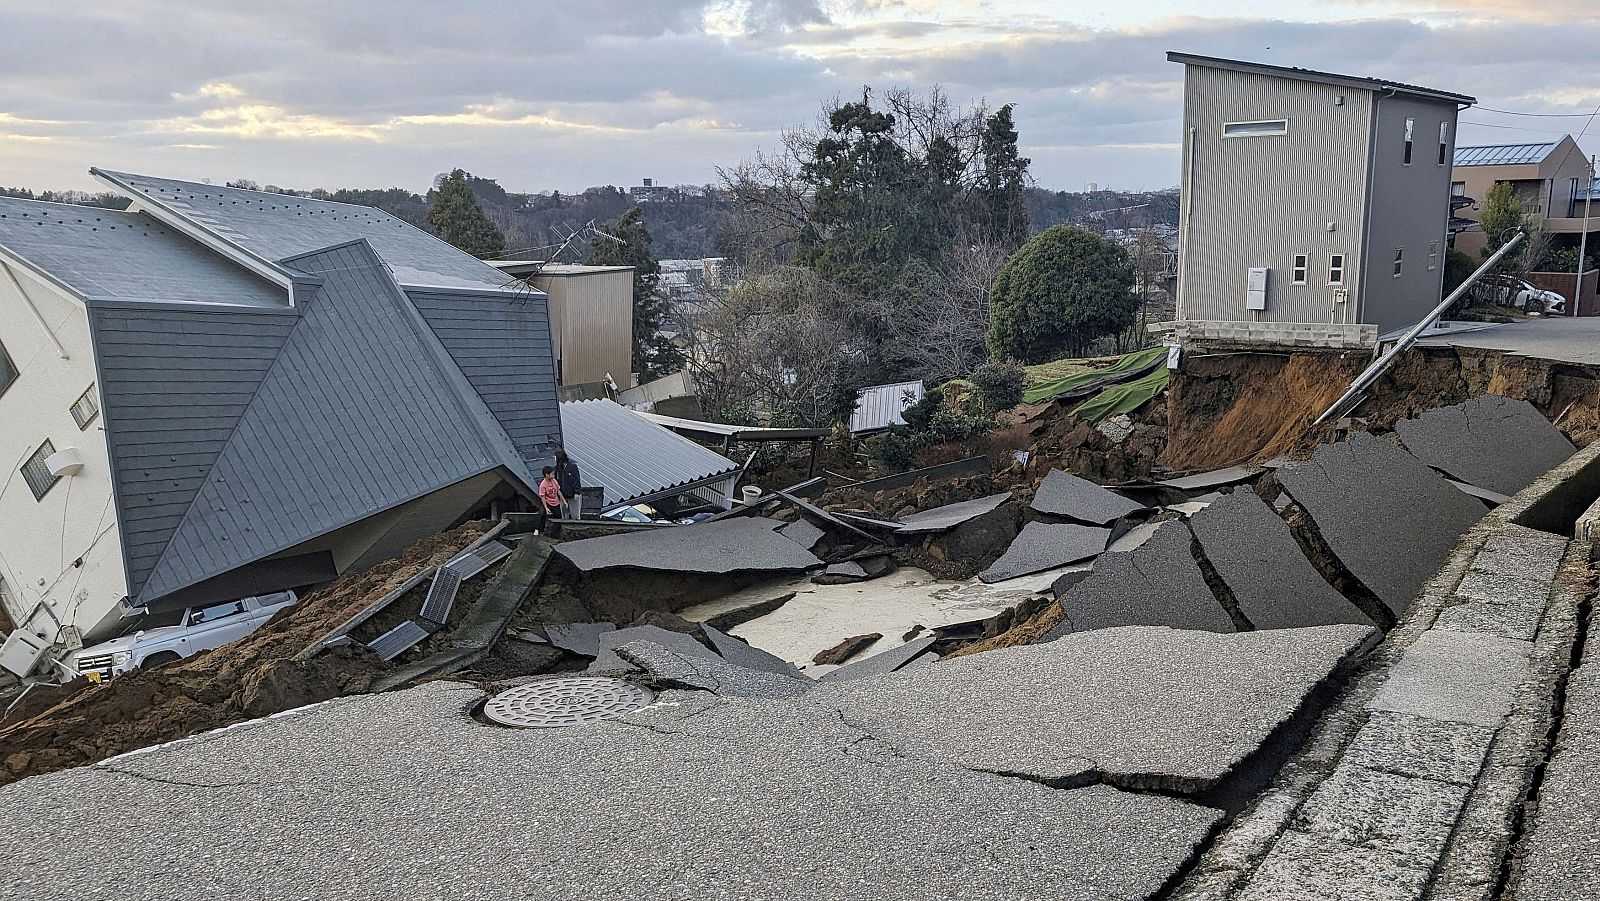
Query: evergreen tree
point(1057, 294)
point(1502, 216)
point(653, 355)
point(869, 212)
point(1001, 213)
point(455, 216)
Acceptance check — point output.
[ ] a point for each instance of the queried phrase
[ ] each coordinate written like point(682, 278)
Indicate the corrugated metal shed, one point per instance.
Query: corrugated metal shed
point(355, 416)
point(634, 458)
point(107, 253)
point(274, 226)
point(502, 344)
point(1503, 154)
point(881, 406)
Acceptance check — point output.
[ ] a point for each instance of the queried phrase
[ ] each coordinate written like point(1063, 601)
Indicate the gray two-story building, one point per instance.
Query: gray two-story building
point(1311, 199)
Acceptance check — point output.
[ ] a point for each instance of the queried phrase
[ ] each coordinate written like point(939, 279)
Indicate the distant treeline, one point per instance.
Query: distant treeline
point(684, 222)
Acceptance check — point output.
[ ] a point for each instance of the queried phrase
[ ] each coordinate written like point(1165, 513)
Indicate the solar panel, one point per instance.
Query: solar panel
point(398, 640)
point(442, 595)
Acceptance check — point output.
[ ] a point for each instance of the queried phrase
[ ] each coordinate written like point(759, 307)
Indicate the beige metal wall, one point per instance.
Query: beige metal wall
point(591, 325)
point(1258, 201)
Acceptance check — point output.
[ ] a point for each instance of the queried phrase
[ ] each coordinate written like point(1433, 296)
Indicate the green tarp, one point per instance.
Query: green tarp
point(1124, 398)
point(1129, 367)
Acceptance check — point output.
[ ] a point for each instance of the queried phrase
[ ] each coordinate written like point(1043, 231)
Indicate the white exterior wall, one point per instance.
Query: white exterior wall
point(41, 539)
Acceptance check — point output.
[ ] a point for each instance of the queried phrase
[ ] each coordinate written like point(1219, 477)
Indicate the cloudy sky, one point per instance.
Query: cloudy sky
point(542, 95)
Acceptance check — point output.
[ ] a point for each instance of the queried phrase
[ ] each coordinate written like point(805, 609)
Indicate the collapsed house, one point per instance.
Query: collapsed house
point(221, 392)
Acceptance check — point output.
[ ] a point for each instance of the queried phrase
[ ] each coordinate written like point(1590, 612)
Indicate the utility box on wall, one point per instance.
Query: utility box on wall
point(1256, 292)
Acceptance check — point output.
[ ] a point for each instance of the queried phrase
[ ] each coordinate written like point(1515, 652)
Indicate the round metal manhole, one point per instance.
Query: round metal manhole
point(565, 702)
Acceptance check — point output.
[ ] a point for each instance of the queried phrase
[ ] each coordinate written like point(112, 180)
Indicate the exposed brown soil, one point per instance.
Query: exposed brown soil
point(255, 676)
point(846, 649)
point(1027, 632)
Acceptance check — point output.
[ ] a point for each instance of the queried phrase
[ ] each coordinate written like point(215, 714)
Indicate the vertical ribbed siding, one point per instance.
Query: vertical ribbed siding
point(1258, 201)
point(355, 417)
point(502, 346)
point(173, 385)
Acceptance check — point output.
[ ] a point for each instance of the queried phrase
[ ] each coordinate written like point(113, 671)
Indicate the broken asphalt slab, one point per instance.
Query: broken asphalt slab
point(732, 545)
point(1389, 519)
point(1043, 546)
point(846, 649)
point(1216, 478)
point(803, 533)
point(941, 519)
point(1489, 441)
point(1061, 494)
point(671, 669)
point(886, 662)
point(608, 661)
point(579, 638)
point(739, 652)
point(1148, 708)
point(685, 799)
point(1158, 583)
point(1266, 573)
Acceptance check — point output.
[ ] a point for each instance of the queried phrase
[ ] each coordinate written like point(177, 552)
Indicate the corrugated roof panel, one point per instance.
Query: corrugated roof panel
point(631, 456)
point(1503, 154)
point(112, 254)
point(356, 416)
point(881, 406)
point(275, 226)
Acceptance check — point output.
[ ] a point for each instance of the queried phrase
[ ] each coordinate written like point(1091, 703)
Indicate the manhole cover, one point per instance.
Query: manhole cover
point(565, 702)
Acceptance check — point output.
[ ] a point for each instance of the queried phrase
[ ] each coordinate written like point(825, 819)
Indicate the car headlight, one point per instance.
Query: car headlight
point(121, 657)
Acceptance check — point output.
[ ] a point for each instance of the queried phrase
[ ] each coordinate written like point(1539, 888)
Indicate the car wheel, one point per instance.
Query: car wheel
point(161, 658)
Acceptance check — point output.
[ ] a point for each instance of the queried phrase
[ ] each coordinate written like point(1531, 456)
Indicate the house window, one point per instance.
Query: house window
point(1399, 260)
point(1255, 129)
point(1335, 268)
point(1299, 270)
point(1433, 256)
point(85, 409)
point(36, 474)
point(1444, 142)
point(8, 370)
point(1458, 189)
point(1410, 127)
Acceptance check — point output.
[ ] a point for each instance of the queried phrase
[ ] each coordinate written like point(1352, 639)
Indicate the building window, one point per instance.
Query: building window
point(8, 370)
point(85, 409)
point(1299, 270)
point(1255, 129)
point(36, 474)
point(1410, 127)
point(1433, 256)
point(1458, 189)
point(1335, 268)
point(1399, 260)
point(1444, 142)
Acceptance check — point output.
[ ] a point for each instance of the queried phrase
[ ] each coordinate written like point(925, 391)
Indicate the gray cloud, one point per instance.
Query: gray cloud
point(565, 95)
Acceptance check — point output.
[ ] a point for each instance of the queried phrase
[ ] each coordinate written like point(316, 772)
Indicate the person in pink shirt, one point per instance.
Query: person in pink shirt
point(549, 499)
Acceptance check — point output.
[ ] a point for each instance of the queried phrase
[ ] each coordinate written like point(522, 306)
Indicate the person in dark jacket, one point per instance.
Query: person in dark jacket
point(571, 486)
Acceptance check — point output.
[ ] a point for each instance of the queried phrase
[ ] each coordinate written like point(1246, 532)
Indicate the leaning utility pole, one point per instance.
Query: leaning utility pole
point(1583, 241)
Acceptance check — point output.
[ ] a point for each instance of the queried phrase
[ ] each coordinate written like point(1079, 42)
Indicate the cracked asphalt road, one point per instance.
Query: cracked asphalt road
point(826, 795)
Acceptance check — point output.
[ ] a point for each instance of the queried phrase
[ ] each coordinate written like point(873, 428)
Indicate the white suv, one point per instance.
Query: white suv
point(199, 629)
point(1508, 291)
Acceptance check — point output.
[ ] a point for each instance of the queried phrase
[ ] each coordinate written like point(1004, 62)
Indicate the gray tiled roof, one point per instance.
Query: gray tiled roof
point(109, 254)
point(356, 415)
point(173, 385)
point(631, 456)
point(1503, 154)
point(502, 345)
point(274, 226)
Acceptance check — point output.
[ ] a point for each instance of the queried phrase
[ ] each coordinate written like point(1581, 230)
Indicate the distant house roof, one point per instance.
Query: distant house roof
point(881, 406)
point(1352, 81)
point(274, 226)
point(96, 253)
point(524, 268)
point(1503, 154)
point(635, 459)
point(734, 432)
